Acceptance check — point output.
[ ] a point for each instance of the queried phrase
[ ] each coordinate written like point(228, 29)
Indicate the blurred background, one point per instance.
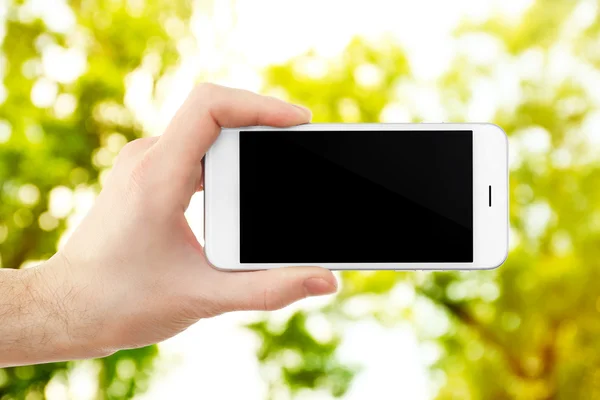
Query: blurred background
point(80, 78)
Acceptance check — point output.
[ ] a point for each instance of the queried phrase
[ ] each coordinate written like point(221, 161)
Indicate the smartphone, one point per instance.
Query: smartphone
point(358, 196)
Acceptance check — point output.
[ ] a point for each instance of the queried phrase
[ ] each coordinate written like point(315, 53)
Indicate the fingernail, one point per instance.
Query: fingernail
point(319, 286)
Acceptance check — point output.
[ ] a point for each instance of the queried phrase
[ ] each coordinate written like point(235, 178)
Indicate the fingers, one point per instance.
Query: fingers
point(208, 108)
point(276, 288)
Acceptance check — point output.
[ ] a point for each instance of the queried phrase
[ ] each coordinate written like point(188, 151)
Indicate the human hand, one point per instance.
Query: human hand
point(133, 273)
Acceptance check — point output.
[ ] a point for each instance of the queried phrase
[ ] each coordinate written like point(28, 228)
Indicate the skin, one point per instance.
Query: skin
point(133, 273)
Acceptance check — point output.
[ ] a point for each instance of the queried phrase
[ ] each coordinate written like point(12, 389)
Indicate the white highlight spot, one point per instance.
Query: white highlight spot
point(29, 194)
point(368, 75)
point(5, 131)
point(43, 93)
point(63, 65)
point(61, 201)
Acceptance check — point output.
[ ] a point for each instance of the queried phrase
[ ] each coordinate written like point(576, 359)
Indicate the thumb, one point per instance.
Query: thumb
point(276, 288)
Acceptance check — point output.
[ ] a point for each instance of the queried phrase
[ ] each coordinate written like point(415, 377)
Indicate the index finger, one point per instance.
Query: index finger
point(208, 108)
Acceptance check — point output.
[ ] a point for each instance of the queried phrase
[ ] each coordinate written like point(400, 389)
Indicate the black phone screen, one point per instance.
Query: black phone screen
point(356, 196)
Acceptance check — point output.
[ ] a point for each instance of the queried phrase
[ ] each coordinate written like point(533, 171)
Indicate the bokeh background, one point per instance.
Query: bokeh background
point(80, 78)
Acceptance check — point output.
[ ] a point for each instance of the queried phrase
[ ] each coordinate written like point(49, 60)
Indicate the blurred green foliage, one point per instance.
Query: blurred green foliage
point(68, 143)
point(529, 330)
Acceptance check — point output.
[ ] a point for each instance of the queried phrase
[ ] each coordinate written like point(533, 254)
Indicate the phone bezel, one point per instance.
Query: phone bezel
point(490, 224)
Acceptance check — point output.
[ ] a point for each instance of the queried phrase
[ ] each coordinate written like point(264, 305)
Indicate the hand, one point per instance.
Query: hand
point(133, 273)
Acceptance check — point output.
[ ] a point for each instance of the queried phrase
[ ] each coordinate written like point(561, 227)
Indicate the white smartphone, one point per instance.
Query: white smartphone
point(358, 196)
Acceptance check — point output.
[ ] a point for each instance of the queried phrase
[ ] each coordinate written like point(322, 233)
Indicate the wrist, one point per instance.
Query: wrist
point(43, 318)
point(67, 314)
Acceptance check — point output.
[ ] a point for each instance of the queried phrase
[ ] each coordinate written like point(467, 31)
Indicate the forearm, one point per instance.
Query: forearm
point(39, 319)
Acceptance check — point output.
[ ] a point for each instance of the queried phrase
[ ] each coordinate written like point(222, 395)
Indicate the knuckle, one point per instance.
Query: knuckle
point(143, 187)
point(132, 158)
point(207, 91)
point(130, 179)
point(269, 301)
point(132, 149)
point(137, 176)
